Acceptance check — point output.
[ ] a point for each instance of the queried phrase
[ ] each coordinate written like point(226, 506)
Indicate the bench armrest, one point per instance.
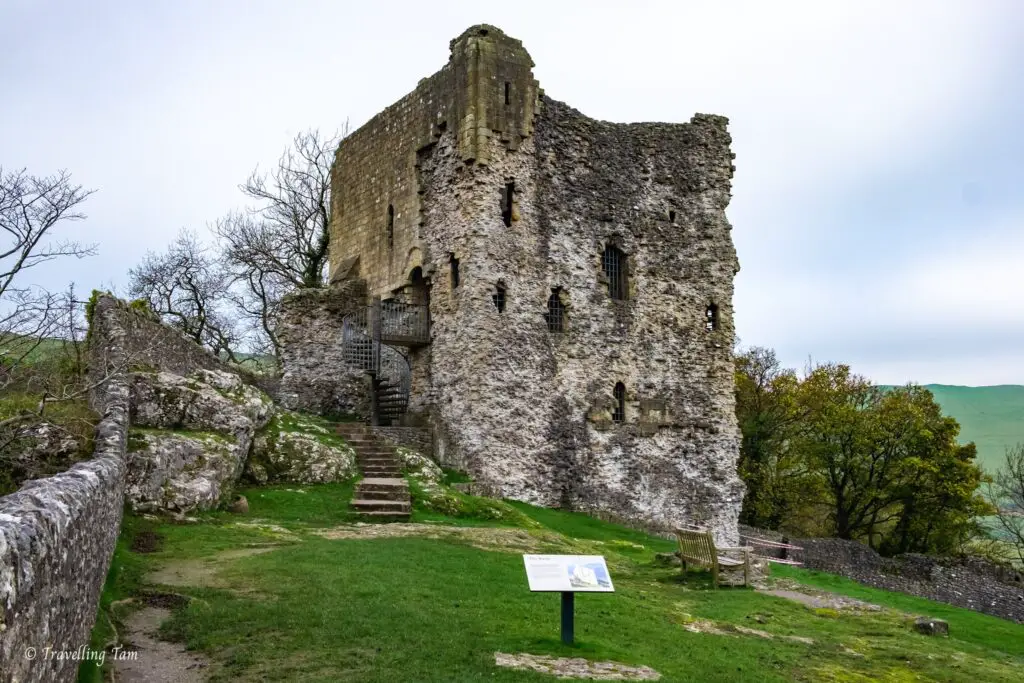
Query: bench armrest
point(744, 548)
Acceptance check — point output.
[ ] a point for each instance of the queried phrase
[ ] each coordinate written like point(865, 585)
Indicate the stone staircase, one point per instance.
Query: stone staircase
point(383, 494)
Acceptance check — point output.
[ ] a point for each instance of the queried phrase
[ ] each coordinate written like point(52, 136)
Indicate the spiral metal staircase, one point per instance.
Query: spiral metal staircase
point(369, 340)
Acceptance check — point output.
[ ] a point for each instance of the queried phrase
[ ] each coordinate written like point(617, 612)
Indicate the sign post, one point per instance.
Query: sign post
point(568, 616)
point(568, 575)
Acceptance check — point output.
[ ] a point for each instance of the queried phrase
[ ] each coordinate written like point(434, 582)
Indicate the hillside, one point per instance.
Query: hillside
point(992, 417)
point(295, 591)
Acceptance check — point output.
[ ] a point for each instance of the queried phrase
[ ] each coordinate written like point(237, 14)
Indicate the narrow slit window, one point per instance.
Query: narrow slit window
point(454, 262)
point(391, 226)
point(508, 93)
point(556, 311)
point(711, 318)
point(619, 411)
point(613, 261)
point(499, 298)
point(672, 217)
point(507, 199)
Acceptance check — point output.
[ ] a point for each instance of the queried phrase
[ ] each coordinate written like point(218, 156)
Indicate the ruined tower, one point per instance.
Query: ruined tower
point(570, 284)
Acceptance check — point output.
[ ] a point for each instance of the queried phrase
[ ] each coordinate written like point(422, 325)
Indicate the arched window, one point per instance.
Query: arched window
point(499, 297)
point(711, 318)
point(556, 311)
point(391, 226)
point(619, 412)
point(613, 262)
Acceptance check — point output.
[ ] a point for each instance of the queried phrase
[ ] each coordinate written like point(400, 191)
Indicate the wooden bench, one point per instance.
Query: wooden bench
point(698, 547)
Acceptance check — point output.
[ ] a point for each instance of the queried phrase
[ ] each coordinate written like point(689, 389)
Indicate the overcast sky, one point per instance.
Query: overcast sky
point(878, 204)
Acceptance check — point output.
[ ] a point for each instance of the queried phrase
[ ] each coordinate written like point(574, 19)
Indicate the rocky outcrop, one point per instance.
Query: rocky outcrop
point(190, 439)
point(297, 448)
point(180, 471)
point(418, 466)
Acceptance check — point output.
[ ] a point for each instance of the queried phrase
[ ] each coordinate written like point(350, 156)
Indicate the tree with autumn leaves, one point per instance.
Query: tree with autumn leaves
point(832, 454)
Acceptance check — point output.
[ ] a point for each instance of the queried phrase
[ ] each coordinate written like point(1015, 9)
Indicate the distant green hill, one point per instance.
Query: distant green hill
point(991, 417)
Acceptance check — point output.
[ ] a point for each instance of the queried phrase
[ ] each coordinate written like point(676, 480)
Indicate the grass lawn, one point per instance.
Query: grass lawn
point(423, 609)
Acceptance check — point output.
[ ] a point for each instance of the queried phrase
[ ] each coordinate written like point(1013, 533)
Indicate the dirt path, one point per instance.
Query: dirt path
point(158, 661)
point(821, 599)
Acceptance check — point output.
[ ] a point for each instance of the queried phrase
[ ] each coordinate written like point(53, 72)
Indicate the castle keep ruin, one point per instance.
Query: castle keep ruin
point(551, 295)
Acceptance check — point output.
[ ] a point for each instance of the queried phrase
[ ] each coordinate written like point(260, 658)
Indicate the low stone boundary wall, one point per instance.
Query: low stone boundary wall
point(417, 438)
point(969, 582)
point(57, 536)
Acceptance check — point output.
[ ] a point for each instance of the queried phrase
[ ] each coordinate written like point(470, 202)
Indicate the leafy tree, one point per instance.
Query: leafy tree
point(767, 412)
point(832, 453)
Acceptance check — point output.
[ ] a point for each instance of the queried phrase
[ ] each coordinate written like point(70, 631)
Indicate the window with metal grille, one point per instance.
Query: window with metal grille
point(711, 315)
point(454, 263)
point(391, 226)
point(613, 261)
point(556, 311)
point(507, 197)
point(499, 298)
point(619, 412)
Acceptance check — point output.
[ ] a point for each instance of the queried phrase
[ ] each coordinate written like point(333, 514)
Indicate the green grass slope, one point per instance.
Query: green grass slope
point(397, 607)
point(992, 417)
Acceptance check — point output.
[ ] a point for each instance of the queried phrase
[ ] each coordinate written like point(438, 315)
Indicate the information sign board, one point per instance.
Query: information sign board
point(568, 573)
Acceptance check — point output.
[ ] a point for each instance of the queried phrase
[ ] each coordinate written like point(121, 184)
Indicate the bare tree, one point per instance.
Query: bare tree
point(1006, 494)
point(282, 242)
point(187, 287)
point(31, 207)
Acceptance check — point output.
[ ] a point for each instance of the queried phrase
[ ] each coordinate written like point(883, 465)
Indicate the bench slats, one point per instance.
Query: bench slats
point(698, 547)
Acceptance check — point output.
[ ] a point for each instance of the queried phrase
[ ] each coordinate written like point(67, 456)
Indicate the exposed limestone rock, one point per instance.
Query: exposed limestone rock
point(180, 471)
point(295, 448)
point(576, 667)
point(419, 466)
point(931, 627)
point(207, 400)
point(48, 441)
point(191, 439)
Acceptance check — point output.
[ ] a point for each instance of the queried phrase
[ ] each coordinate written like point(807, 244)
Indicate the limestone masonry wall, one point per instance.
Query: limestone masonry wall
point(314, 375)
point(376, 165)
point(57, 535)
point(526, 212)
point(969, 582)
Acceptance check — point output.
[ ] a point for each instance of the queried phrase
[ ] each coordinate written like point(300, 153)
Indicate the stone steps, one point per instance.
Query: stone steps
point(382, 495)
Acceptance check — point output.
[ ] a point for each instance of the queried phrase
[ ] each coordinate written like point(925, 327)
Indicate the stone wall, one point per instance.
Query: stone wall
point(57, 535)
point(969, 582)
point(416, 438)
point(485, 93)
point(314, 375)
point(525, 410)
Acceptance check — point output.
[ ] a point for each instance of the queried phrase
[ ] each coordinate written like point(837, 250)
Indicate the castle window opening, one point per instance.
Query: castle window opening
point(672, 217)
point(711, 314)
point(391, 226)
point(507, 198)
point(619, 412)
point(454, 263)
point(508, 93)
point(555, 316)
point(499, 298)
point(613, 261)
